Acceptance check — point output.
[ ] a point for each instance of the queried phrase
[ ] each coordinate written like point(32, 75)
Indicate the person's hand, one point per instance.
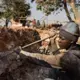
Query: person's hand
point(17, 50)
point(63, 50)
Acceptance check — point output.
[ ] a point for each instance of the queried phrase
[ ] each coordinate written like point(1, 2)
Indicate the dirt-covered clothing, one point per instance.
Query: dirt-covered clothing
point(70, 62)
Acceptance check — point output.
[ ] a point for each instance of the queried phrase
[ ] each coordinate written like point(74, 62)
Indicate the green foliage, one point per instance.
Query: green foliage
point(39, 7)
point(48, 6)
point(21, 9)
point(16, 8)
point(7, 13)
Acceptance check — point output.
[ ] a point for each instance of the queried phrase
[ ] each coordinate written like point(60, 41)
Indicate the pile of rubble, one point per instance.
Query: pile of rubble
point(15, 67)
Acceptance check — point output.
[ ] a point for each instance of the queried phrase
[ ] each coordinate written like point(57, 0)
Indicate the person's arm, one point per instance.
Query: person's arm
point(53, 60)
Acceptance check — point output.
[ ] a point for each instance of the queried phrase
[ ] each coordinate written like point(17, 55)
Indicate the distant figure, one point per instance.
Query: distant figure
point(34, 23)
point(28, 23)
point(16, 22)
point(23, 21)
point(38, 23)
point(7, 22)
point(43, 24)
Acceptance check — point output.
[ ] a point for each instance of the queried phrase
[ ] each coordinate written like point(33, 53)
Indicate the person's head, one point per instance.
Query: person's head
point(68, 35)
point(16, 18)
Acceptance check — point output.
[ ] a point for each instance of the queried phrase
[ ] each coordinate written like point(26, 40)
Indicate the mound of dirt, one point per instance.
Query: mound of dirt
point(15, 67)
point(11, 38)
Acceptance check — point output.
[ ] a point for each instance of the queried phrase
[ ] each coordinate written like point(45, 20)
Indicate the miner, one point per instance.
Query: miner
point(66, 58)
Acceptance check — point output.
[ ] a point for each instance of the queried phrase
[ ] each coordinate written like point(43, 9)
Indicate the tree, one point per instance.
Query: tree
point(16, 8)
point(48, 6)
point(21, 9)
point(66, 9)
point(75, 5)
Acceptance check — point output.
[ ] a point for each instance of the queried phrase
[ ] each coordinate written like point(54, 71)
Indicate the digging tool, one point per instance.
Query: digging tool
point(38, 41)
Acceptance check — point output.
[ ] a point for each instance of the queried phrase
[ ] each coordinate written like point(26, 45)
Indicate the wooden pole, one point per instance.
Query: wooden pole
point(37, 41)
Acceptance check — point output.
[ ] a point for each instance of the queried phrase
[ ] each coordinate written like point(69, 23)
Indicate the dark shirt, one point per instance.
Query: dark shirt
point(70, 62)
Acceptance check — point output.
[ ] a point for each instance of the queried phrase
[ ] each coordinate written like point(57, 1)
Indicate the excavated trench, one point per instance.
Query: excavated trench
point(15, 67)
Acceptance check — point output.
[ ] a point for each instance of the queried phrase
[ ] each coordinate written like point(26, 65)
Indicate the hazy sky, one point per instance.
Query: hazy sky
point(53, 17)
